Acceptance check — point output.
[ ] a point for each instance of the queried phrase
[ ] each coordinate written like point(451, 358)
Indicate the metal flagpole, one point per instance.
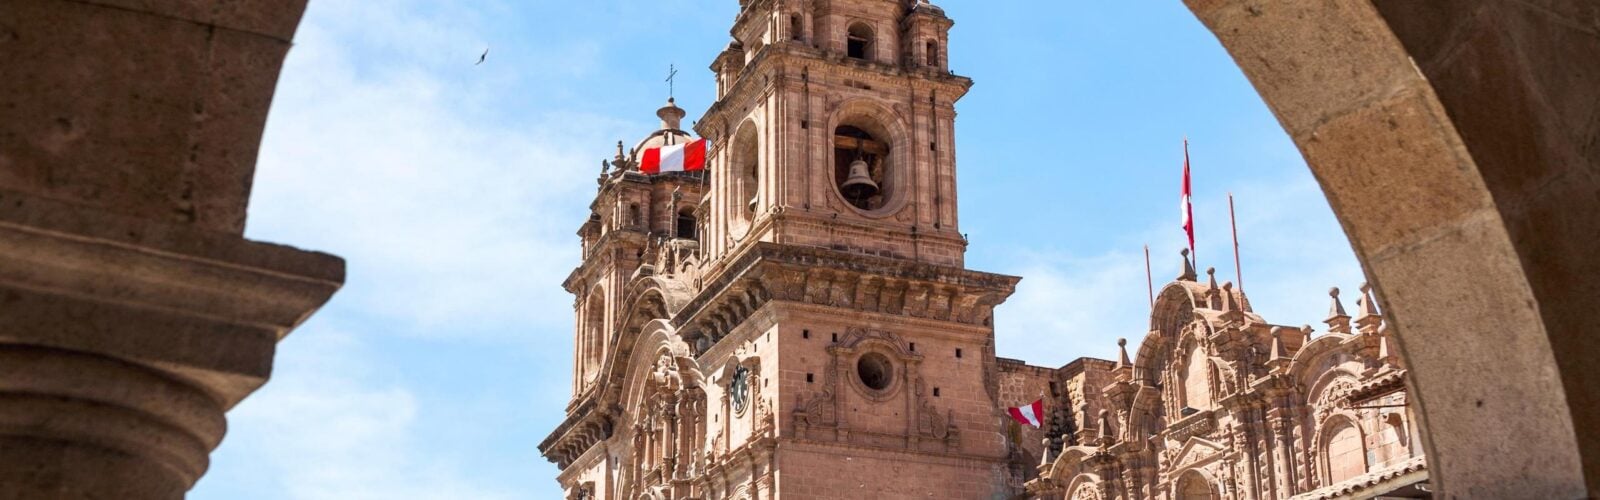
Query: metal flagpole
point(1238, 272)
point(1149, 284)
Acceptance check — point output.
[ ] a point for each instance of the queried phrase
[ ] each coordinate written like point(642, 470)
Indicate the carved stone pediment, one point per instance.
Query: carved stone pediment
point(1195, 452)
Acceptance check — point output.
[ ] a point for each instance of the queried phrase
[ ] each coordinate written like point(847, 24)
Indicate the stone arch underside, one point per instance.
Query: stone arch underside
point(1457, 147)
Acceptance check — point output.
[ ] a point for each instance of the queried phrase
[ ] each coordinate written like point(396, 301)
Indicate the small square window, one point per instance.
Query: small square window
point(936, 392)
point(810, 378)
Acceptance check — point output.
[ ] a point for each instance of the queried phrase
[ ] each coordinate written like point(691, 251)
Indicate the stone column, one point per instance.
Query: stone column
point(133, 313)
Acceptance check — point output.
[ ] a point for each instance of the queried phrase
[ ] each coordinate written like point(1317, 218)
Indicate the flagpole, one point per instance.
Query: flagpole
point(1238, 272)
point(1188, 204)
point(1149, 284)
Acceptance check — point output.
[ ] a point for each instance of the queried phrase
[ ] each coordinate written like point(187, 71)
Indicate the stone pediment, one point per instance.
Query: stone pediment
point(1195, 452)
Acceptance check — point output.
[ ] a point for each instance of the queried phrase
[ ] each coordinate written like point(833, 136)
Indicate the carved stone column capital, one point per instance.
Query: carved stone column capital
point(133, 314)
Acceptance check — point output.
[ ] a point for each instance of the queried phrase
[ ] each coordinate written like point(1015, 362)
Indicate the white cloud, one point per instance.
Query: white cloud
point(330, 427)
point(449, 215)
point(455, 213)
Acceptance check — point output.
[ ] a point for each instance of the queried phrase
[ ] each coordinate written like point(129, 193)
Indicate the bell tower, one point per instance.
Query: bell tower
point(834, 127)
point(821, 336)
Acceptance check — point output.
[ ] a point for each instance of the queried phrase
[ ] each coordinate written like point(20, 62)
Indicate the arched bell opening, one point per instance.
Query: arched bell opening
point(744, 180)
point(863, 164)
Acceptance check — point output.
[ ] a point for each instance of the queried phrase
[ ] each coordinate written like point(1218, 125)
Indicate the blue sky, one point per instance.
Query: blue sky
point(454, 191)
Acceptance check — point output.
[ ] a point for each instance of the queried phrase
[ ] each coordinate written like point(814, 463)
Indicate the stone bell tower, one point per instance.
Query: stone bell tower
point(822, 339)
point(834, 127)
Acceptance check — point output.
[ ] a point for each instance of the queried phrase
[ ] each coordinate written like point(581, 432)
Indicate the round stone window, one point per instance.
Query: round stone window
point(875, 371)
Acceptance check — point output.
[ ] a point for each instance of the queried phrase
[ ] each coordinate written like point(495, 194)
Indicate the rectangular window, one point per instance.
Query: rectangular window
point(936, 392)
point(810, 377)
point(856, 48)
point(958, 352)
point(913, 347)
point(805, 334)
point(835, 337)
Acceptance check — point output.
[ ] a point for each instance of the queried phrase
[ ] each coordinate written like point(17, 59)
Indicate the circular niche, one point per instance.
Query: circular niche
point(875, 371)
point(865, 173)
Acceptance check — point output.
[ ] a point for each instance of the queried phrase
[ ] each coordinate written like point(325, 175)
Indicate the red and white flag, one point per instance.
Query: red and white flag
point(1188, 211)
point(1032, 414)
point(687, 157)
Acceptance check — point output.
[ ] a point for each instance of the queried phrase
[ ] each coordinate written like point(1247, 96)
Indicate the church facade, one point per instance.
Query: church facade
point(796, 321)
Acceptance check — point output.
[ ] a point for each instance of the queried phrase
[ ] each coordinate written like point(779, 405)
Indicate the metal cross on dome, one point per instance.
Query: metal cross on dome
point(672, 75)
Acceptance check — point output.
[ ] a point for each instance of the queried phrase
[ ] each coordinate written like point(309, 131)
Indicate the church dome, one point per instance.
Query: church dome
point(671, 131)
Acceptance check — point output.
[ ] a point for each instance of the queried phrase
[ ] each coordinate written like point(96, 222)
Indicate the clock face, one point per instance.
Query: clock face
point(739, 388)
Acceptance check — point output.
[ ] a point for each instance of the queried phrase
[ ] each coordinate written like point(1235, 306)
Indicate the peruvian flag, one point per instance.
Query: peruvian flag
point(1188, 211)
point(1032, 414)
point(689, 157)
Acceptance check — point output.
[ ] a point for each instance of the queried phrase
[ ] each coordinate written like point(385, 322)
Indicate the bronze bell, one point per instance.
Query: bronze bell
point(859, 184)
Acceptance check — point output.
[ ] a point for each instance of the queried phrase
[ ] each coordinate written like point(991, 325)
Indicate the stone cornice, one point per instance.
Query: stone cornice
point(600, 255)
point(768, 271)
point(224, 300)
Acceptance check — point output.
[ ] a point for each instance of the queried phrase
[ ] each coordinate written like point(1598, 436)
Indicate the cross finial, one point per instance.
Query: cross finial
point(672, 77)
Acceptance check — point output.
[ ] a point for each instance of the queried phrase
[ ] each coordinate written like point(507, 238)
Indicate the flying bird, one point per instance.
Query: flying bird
point(481, 58)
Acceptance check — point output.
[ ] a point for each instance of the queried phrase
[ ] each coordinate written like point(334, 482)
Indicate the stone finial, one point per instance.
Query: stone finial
point(1122, 359)
point(1338, 321)
point(1213, 292)
point(1279, 355)
point(1188, 267)
point(1229, 302)
point(1046, 456)
point(619, 163)
point(1367, 318)
point(1386, 350)
point(1365, 305)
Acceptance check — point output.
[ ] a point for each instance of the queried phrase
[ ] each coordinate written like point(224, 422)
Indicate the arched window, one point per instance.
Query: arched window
point(861, 163)
point(933, 54)
point(633, 215)
point(744, 180)
point(858, 42)
point(686, 224)
point(1344, 453)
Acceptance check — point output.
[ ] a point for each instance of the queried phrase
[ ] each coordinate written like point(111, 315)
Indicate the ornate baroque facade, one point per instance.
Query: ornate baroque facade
point(1222, 404)
point(797, 321)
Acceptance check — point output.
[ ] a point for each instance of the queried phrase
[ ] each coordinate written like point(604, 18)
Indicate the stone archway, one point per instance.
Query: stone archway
point(1459, 145)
